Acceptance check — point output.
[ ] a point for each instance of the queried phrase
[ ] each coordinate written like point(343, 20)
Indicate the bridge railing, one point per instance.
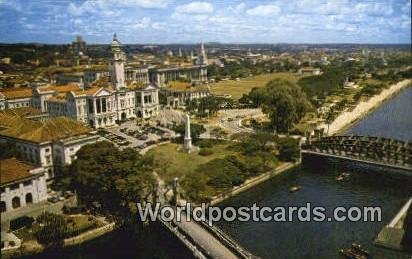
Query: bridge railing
point(393, 152)
point(228, 242)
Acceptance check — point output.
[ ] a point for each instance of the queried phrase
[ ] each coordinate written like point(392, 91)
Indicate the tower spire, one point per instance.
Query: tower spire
point(201, 55)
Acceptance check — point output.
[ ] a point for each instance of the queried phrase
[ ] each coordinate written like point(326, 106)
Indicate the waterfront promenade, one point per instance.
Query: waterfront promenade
point(348, 118)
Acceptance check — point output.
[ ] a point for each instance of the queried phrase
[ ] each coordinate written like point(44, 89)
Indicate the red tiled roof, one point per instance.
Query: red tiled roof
point(12, 170)
point(16, 93)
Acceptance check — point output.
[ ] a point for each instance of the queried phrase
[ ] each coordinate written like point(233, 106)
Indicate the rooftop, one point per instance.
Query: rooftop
point(16, 93)
point(22, 112)
point(60, 88)
point(12, 170)
point(41, 131)
point(184, 86)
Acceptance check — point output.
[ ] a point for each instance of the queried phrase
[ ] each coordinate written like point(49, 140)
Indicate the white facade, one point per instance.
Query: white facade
point(117, 65)
point(50, 154)
point(23, 188)
point(147, 102)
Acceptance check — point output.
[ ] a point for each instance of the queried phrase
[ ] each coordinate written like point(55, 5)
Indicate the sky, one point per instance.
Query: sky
point(225, 21)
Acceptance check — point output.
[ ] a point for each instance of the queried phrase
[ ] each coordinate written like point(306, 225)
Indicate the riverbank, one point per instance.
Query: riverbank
point(347, 119)
point(251, 183)
point(32, 247)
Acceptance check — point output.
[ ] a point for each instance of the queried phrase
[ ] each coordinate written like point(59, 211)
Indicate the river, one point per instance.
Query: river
point(319, 187)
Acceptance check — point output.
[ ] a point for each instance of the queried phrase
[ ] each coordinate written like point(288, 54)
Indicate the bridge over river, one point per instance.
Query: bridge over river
point(205, 241)
point(378, 151)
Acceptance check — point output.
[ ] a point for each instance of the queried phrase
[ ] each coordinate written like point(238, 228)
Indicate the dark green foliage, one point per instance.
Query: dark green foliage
point(116, 179)
point(223, 172)
point(54, 230)
point(332, 79)
point(195, 131)
point(288, 149)
point(282, 101)
point(205, 106)
point(207, 143)
point(205, 152)
point(21, 222)
point(252, 144)
point(246, 68)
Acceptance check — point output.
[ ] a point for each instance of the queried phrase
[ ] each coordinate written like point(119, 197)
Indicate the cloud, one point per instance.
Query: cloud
point(264, 10)
point(149, 3)
point(195, 8)
point(238, 8)
point(143, 23)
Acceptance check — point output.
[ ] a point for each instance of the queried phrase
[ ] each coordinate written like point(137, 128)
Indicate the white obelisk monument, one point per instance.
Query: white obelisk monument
point(188, 139)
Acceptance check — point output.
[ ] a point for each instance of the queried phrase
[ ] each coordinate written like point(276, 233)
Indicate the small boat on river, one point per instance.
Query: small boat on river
point(355, 252)
point(343, 176)
point(295, 188)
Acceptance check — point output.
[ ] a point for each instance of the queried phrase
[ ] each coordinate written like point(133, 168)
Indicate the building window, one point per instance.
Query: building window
point(14, 186)
point(27, 183)
point(29, 198)
point(15, 202)
point(2, 209)
point(103, 104)
point(91, 106)
point(47, 150)
point(98, 107)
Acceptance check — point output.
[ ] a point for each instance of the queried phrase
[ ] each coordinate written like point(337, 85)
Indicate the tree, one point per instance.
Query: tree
point(288, 149)
point(330, 117)
point(115, 178)
point(208, 105)
point(218, 133)
point(195, 130)
point(283, 101)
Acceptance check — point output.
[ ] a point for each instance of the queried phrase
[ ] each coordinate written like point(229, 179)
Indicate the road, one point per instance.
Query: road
point(230, 120)
point(204, 239)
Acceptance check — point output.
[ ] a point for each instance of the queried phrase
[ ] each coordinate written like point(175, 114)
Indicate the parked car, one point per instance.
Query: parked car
point(53, 199)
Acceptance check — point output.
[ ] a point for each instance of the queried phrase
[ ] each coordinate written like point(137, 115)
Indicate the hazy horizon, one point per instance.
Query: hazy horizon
point(190, 22)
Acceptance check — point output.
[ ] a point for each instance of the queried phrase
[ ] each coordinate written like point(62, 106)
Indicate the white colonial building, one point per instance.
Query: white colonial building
point(107, 100)
point(49, 144)
point(21, 184)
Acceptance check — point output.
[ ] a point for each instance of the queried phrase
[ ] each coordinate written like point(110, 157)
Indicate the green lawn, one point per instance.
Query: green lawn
point(172, 162)
point(237, 88)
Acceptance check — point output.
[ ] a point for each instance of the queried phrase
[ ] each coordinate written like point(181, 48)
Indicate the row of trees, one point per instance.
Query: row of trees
point(246, 68)
point(205, 106)
point(282, 100)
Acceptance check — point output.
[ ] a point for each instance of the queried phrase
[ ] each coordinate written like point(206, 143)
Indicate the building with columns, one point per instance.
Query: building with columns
point(108, 100)
point(196, 74)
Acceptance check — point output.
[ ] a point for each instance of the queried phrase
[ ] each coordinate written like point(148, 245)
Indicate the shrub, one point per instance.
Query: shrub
point(21, 222)
point(54, 229)
point(207, 143)
point(205, 152)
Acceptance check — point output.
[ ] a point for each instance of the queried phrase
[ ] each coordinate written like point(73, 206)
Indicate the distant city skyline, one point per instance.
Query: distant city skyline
point(224, 21)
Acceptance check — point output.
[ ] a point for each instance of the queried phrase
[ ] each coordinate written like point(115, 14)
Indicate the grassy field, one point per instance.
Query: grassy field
point(171, 162)
point(237, 88)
